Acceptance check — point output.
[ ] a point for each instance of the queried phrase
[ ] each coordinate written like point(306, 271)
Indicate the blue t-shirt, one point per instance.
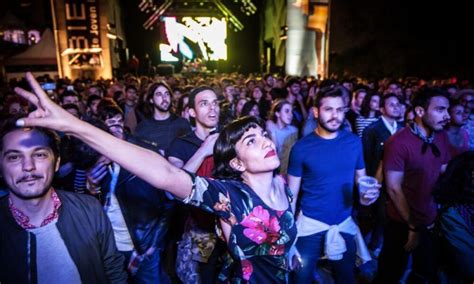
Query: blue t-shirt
point(327, 168)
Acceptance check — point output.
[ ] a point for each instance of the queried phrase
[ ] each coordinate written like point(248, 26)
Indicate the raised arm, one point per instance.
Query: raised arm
point(144, 163)
point(204, 151)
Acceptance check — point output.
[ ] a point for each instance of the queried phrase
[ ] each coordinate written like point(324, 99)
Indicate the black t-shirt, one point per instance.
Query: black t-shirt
point(184, 147)
point(162, 132)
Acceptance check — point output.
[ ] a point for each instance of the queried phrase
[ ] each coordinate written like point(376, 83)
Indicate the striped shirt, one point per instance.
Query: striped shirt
point(362, 122)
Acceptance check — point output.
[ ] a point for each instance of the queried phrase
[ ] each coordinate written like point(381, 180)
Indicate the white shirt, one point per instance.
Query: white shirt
point(392, 128)
point(121, 233)
point(334, 245)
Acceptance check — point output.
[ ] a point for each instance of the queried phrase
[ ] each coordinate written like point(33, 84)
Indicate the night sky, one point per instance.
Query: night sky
point(371, 38)
point(402, 38)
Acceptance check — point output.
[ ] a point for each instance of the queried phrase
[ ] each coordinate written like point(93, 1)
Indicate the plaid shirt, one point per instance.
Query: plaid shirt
point(24, 221)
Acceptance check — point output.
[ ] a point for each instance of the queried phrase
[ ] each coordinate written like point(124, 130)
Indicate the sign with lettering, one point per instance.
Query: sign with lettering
point(83, 32)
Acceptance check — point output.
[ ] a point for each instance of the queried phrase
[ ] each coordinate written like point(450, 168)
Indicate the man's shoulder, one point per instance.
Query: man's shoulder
point(347, 136)
point(178, 119)
point(403, 139)
point(184, 146)
point(292, 129)
point(187, 139)
point(375, 126)
point(78, 200)
point(144, 124)
point(306, 140)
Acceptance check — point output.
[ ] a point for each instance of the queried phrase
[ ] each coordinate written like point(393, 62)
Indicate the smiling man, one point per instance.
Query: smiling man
point(49, 236)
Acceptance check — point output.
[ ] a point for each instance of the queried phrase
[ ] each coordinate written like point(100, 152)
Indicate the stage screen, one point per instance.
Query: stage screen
point(193, 38)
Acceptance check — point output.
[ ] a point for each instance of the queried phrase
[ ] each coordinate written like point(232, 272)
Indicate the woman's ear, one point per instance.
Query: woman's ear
point(237, 164)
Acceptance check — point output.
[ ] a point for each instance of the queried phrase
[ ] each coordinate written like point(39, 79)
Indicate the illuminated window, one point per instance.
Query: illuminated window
point(194, 37)
point(16, 36)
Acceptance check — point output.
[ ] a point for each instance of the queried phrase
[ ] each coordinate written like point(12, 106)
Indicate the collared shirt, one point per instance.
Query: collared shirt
point(392, 128)
point(24, 221)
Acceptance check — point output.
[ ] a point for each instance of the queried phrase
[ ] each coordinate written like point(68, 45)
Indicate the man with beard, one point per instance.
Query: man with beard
point(414, 158)
point(48, 235)
point(325, 163)
point(161, 126)
point(193, 152)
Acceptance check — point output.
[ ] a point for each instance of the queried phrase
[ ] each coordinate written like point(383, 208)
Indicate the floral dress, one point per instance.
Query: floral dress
point(260, 236)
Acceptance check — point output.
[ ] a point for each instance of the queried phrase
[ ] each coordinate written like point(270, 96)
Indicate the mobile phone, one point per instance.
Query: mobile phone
point(70, 88)
point(48, 86)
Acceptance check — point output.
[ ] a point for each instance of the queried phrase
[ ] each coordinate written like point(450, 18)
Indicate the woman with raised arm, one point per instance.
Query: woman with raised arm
point(253, 205)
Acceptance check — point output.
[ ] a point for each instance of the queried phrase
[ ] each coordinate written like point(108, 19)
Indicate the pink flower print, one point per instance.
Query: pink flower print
point(277, 250)
point(247, 269)
point(260, 228)
point(280, 213)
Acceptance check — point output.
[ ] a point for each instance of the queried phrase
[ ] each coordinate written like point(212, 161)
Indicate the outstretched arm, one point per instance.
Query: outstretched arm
point(144, 163)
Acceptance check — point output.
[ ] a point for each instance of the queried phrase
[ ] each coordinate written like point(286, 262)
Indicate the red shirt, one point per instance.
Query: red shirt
point(421, 171)
point(24, 221)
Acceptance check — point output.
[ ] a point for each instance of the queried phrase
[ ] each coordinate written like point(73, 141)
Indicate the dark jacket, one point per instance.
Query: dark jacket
point(145, 209)
point(373, 140)
point(86, 232)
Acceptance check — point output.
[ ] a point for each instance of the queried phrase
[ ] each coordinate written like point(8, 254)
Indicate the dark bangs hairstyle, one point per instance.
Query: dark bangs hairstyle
point(365, 107)
point(224, 149)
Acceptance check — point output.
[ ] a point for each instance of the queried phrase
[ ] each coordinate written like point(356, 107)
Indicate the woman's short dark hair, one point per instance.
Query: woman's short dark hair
point(365, 107)
point(224, 149)
point(247, 108)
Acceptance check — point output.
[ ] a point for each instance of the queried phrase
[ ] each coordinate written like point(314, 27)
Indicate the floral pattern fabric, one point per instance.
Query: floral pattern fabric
point(261, 236)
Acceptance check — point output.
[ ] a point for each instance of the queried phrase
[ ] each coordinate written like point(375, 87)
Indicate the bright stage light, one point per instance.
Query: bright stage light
point(194, 37)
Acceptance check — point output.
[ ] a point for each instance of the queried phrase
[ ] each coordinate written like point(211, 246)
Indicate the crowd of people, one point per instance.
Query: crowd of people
point(231, 178)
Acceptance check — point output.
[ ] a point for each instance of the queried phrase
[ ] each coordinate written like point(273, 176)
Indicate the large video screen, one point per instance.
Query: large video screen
point(190, 38)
